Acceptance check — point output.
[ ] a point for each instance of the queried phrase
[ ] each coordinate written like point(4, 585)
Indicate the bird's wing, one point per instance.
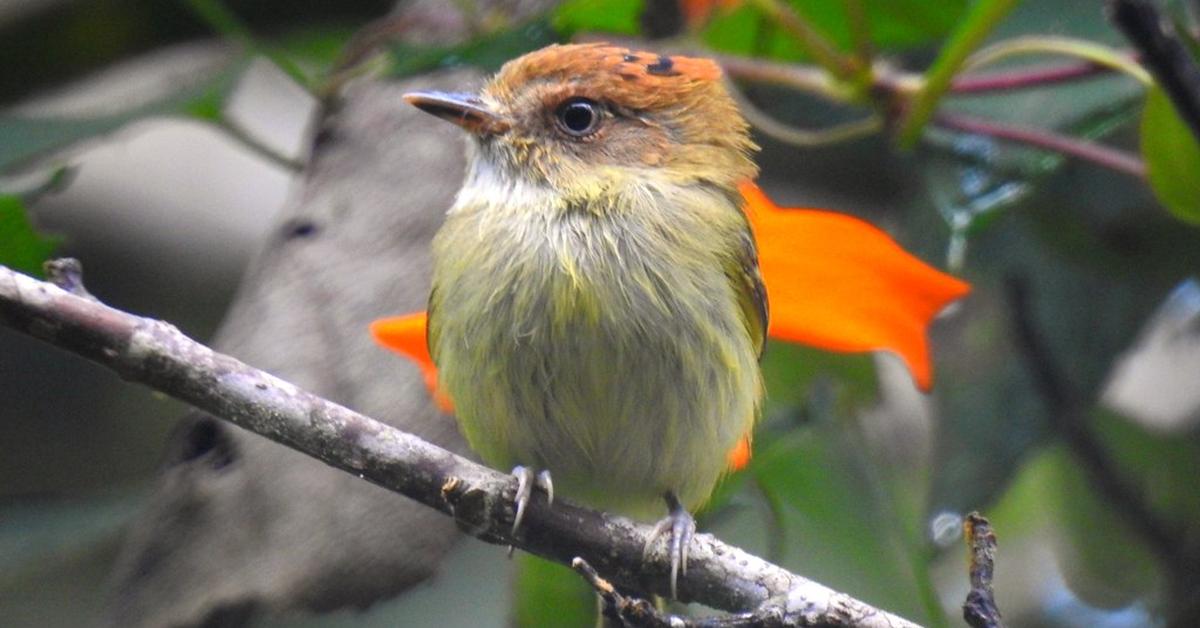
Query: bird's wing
point(752, 294)
point(431, 325)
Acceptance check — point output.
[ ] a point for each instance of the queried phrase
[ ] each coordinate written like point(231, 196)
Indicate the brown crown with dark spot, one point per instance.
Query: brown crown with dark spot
point(669, 111)
point(638, 79)
point(640, 73)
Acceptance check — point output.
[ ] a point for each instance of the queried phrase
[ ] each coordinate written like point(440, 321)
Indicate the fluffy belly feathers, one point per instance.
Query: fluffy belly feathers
point(573, 346)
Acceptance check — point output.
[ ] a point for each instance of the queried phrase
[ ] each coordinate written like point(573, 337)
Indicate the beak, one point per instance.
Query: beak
point(465, 110)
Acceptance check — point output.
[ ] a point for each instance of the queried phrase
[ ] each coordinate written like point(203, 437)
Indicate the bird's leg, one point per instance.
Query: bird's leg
point(681, 527)
point(527, 479)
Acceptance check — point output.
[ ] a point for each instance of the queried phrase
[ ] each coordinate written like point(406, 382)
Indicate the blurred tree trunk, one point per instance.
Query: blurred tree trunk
point(237, 523)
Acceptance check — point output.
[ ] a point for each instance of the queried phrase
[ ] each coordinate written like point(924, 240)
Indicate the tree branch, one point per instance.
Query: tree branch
point(1042, 76)
point(638, 613)
point(1068, 417)
point(158, 355)
point(1098, 154)
point(901, 86)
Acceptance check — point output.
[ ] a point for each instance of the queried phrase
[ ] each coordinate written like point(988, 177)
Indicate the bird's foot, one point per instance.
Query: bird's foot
point(527, 480)
point(679, 527)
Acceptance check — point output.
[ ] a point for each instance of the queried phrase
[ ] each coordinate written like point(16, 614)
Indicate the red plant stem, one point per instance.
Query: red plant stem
point(1019, 79)
point(1110, 158)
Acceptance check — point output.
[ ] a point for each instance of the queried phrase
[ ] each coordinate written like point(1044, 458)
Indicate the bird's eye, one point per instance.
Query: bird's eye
point(578, 117)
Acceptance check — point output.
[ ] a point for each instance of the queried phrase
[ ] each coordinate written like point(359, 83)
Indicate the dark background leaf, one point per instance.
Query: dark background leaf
point(21, 247)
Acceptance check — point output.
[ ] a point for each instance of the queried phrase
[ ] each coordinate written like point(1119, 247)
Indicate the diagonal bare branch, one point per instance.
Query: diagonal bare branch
point(158, 355)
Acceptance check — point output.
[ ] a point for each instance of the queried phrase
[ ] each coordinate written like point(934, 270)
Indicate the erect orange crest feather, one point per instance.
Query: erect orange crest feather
point(833, 281)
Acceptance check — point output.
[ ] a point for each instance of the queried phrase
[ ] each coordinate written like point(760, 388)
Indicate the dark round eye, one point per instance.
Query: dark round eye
point(579, 117)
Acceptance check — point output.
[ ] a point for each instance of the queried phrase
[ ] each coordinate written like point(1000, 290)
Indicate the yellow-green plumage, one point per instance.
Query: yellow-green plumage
point(596, 308)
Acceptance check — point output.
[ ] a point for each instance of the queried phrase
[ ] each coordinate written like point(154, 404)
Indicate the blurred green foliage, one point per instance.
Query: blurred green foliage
point(618, 17)
point(21, 247)
point(894, 26)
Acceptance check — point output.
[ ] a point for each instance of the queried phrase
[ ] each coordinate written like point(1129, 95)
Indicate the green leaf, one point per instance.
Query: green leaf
point(320, 46)
point(21, 247)
point(894, 25)
point(791, 370)
point(830, 511)
point(1101, 558)
point(909, 23)
point(1163, 466)
point(551, 594)
point(229, 25)
point(621, 17)
point(24, 138)
point(1172, 157)
point(979, 22)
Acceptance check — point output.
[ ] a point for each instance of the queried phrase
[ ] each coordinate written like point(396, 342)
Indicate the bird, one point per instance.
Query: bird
point(597, 313)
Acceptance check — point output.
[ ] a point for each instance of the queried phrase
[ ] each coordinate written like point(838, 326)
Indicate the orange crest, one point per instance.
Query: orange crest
point(646, 77)
point(636, 80)
point(667, 111)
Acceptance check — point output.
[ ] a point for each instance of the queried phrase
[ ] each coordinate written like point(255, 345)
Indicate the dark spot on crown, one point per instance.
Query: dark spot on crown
point(630, 58)
point(663, 67)
point(627, 76)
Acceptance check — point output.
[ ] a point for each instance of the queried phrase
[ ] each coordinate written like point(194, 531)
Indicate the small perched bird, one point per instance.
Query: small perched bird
point(597, 312)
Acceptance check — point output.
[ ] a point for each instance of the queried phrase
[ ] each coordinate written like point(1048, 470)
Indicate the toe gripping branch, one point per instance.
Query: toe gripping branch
point(527, 480)
point(679, 527)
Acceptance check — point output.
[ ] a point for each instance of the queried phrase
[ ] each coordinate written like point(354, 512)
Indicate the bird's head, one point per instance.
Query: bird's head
point(592, 119)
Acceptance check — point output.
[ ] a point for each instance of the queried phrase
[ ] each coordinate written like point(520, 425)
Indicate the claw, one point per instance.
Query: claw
point(681, 527)
point(525, 482)
point(546, 484)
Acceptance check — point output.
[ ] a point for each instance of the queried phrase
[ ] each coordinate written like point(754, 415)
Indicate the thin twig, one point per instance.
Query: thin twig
point(1041, 45)
point(628, 611)
point(813, 80)
point(1163, 53)
point(808, 79)
point(257, 146)
point(980, 20)
point(1098, 154)
point(816, 81)
point(860, 34)
point(1068, 417)
point(805, 138)
point(808, 36)
point(980, 609)
point(480, 499)
point(639, 613)
point(67, 273)
point(1009, 80)
point(230, 26)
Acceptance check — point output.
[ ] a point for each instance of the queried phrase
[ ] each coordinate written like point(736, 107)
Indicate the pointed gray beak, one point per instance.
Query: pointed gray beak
point(465, 110)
